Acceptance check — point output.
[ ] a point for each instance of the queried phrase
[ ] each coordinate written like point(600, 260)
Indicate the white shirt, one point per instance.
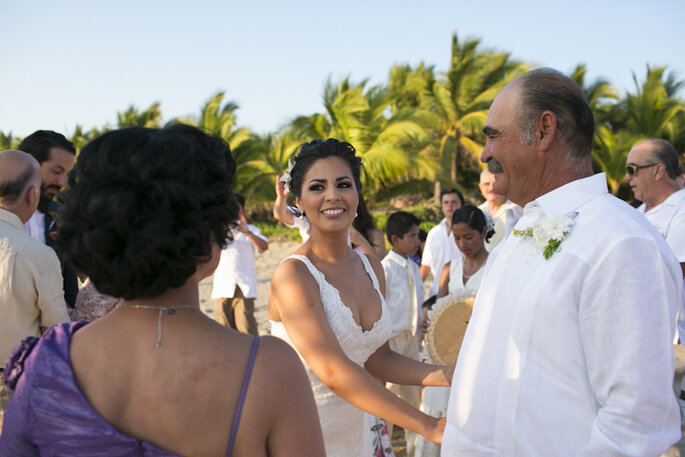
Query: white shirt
point(237, 266)
point(403, 310)
point(440, 248)
point(669, 219)
point(571, 356)
point(499, 218)
point(31, 296)
point(35, 226)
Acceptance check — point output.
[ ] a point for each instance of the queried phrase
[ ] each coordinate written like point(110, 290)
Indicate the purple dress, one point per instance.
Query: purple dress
point(49, 416)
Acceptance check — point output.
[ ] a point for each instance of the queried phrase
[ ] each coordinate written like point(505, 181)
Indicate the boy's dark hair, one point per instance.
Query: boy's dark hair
point(400, 223)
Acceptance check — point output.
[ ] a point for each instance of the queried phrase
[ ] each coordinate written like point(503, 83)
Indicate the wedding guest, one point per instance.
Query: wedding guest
point(55, 154)
point(652, 173)
point(404, 294)
point(440, 247)
point(494, 207)
point(282, 212)
point(562, 355)
point(234, 288)
point(31, 297)
point(146, 216)
point(327, 301)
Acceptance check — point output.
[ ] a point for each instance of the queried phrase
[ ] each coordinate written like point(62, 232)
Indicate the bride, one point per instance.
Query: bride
point(327, 301)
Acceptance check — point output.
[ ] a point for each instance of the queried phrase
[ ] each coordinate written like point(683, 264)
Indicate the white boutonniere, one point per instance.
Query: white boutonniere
point(548, 234)
point(285, 177)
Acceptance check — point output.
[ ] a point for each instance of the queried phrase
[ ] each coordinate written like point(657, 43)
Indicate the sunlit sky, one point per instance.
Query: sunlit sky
point(76, 61)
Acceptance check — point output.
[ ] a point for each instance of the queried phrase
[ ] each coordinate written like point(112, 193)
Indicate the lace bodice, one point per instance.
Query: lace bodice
point(345, 428)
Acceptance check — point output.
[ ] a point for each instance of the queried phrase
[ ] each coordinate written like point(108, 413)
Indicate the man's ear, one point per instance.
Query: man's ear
point(31, 197)
point(546, 129)
point(659, 171)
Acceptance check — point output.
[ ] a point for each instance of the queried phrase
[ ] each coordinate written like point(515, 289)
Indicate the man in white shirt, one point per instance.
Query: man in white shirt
point(440, 246)
point(652, 174)
point(495, 207)
point(31, 298)
point(568, 351)
point(235, 279)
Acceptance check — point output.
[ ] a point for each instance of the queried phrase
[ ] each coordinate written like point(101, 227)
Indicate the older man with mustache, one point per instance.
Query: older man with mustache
point(568, 351)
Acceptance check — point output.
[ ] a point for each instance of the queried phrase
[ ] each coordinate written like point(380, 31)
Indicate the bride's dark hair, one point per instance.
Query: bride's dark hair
point(474, 218)
point(318, 149)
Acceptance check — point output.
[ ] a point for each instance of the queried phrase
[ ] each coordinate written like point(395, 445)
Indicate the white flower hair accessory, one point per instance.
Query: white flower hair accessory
point(549, 233)
point(285, 177)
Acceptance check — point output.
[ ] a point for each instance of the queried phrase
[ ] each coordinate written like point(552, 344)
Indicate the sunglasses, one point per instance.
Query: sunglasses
point(632, 169)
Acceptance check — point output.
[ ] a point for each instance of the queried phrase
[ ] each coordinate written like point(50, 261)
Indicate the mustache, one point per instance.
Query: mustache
point(494, 166)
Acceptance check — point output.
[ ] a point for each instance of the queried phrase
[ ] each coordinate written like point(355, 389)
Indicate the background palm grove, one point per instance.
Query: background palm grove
point(421, 127)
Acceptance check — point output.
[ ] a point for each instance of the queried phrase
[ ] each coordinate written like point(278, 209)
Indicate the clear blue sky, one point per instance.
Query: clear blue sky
point(77, 61)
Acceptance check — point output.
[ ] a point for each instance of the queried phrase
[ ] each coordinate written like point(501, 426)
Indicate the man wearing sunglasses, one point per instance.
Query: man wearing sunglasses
point(652, 173)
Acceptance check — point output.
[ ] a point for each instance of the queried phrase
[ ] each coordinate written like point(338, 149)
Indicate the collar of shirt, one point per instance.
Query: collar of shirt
point(11, 218)
point(672, 200)
point(562, 200)
point(398, 259)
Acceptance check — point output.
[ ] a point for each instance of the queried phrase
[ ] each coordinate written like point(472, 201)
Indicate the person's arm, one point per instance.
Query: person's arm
point(258, 241)
point(444, 281)
point(281, 212)
point(675, 238)
point(375, 247)
point(626, 318)
point(295, 294)
point(48, 285)
point(293, 428)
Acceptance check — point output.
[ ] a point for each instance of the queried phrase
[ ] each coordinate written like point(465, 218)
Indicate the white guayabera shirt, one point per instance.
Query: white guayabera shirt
point(571, 356)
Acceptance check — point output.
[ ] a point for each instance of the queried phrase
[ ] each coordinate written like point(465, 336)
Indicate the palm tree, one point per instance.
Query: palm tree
point(390, 143)
point(151, 117)
point(80, 137)
point(8, 141)
point(600, 95)
point(610, 151)
point(459, 100)
point(653, 110)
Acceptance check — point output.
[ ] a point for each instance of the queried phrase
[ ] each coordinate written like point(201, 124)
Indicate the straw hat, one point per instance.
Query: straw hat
point(449, 317)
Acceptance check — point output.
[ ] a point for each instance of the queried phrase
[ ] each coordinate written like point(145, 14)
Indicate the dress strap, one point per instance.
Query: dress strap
point(371, 273)
point(241, 399)
point(318, 276)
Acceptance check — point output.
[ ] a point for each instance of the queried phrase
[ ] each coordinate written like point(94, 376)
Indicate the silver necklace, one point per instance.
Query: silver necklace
point(171, 310)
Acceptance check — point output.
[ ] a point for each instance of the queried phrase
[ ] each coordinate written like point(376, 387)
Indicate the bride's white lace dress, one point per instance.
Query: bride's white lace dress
point(346, 429)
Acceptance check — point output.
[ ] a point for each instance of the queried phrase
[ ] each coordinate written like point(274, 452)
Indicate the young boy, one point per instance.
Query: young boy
point(404, 289)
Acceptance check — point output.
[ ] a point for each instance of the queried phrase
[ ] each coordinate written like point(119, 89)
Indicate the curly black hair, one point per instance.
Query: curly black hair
point(145, 206)
point(317, 149)
point(474, 218)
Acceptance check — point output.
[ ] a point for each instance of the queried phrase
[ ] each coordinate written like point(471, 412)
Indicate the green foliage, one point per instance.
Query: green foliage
point(421, 126)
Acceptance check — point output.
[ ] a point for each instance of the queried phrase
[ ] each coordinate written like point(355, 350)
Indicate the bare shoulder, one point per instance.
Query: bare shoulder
point(291, 273)
point(278, 366)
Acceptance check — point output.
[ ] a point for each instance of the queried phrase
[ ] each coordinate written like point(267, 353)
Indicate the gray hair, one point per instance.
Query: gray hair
point(12, 190)
point(663, 152)
point(546, 89)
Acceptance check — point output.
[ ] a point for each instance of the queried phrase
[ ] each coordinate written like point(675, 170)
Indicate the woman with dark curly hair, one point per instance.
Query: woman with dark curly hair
point(147, 213)
point(328, 302)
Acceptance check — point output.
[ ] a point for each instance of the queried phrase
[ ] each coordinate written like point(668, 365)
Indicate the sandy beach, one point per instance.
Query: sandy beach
point(266, 264)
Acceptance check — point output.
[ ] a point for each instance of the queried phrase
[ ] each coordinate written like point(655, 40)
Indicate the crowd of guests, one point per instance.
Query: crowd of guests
point(562, 355)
